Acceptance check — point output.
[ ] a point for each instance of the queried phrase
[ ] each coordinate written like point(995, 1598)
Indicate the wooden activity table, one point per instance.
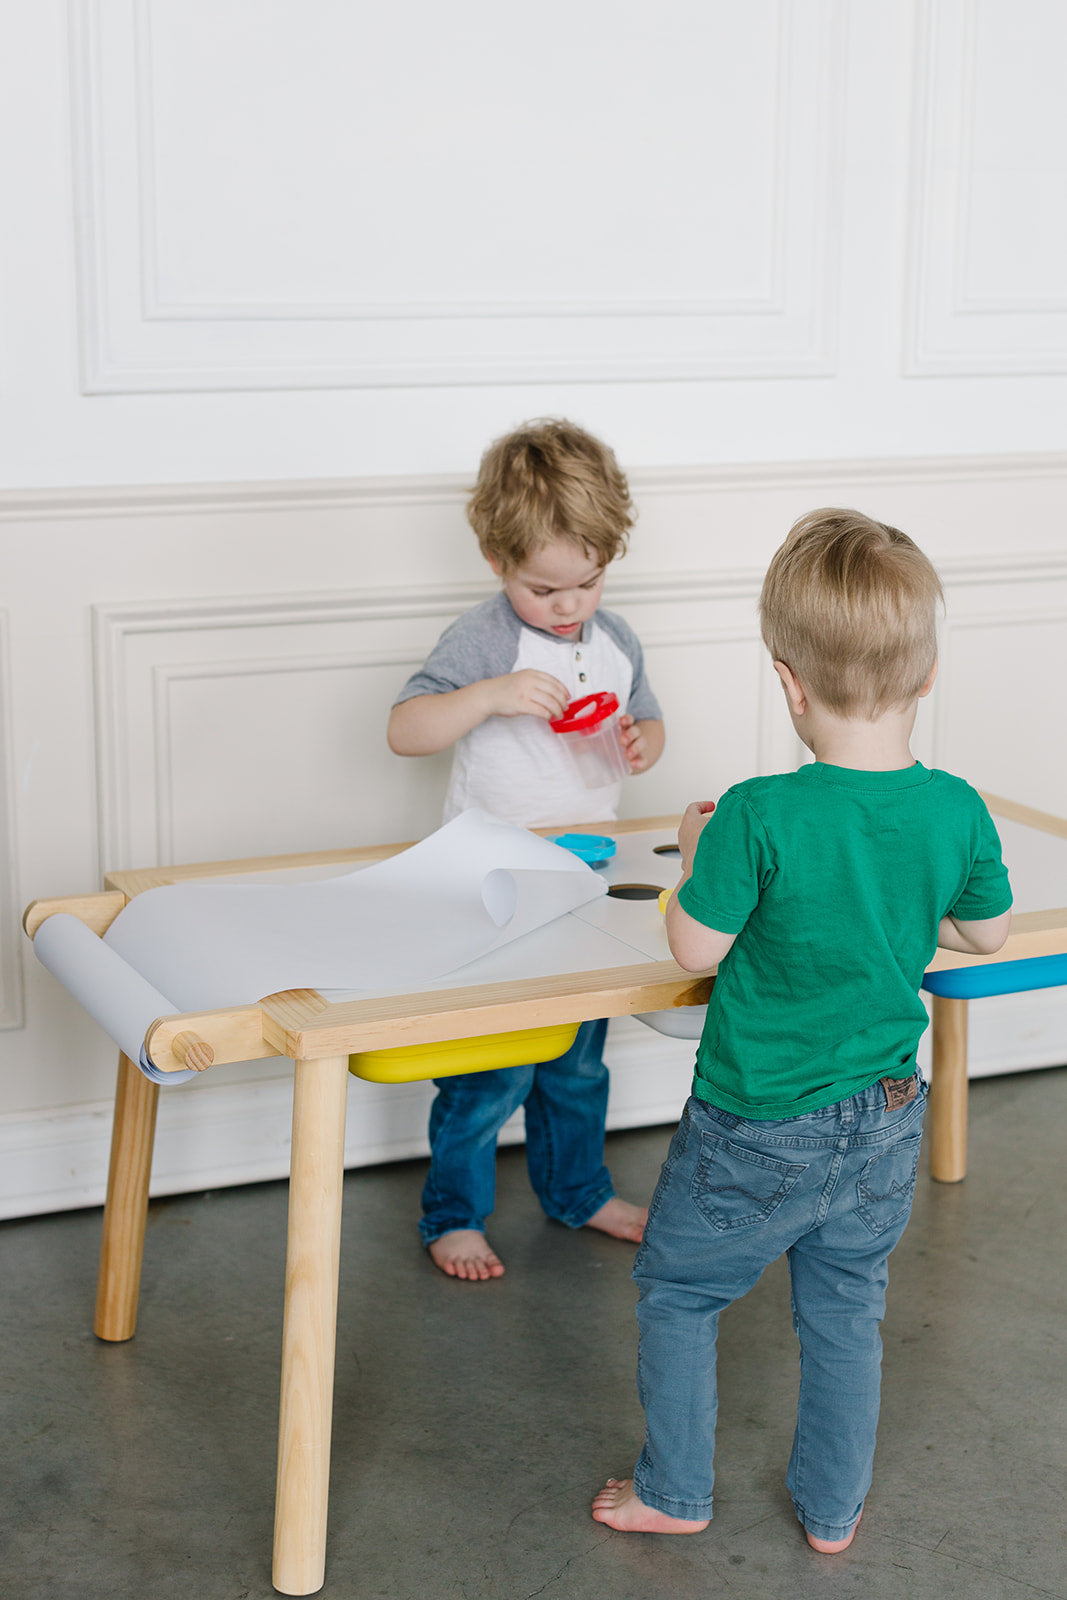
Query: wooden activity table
point(608, 959)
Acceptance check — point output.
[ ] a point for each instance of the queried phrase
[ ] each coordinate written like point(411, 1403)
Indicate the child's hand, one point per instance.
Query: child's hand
point(528, 693)
point(690, 828)
point(633, 743)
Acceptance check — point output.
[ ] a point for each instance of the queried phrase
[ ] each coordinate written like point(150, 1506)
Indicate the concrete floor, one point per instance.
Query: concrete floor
point(474, 1423)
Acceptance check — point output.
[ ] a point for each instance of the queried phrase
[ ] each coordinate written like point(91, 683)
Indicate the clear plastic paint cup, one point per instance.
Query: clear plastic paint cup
point(590, 729)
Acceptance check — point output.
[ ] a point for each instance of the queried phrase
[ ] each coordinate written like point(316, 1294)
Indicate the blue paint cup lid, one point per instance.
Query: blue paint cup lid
point(590, 847)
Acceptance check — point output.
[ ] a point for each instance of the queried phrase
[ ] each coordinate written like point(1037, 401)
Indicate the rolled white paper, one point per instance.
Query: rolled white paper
point(107, 987)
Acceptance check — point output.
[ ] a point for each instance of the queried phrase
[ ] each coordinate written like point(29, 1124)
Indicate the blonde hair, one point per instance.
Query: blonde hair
point(850, 606)
point(546, 480)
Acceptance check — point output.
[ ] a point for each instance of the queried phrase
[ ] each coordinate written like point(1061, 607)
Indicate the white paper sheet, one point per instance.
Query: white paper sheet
point(471, 887)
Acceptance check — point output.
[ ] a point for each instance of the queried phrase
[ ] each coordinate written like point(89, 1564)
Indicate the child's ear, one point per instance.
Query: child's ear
point(928, 685)
point(495, 565)
point(794, 693)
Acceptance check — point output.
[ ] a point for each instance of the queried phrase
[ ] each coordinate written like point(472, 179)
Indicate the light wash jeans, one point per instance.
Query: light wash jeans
point(566, 1102)
point(833, 1190)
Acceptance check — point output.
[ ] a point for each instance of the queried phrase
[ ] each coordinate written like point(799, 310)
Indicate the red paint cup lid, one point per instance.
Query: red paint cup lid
point(586, 715)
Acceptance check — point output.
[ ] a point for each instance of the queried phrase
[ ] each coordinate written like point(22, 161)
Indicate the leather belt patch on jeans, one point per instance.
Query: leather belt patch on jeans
point(899, 1091)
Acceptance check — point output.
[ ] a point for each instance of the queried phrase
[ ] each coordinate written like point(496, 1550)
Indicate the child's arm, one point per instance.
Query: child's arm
point(643, 741)
point(983, 938)
point(431, 722)
point(694, 945)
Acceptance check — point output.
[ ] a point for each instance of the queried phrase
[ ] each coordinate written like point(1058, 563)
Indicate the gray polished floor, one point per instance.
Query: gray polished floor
point(474, 1423)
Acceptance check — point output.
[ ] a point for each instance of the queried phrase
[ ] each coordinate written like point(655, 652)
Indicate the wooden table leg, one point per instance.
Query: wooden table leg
point(948, 1091)
point(309, 1332)
point(126, 1208)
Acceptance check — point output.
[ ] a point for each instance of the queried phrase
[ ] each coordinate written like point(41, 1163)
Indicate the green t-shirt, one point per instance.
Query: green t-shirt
point(834, 881)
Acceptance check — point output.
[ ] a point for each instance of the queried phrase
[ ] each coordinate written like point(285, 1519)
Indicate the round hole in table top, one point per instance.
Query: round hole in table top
point(666, 850)
point(635, 891)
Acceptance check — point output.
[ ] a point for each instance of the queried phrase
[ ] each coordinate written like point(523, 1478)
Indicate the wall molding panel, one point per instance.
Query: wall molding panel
point(12, 998)
point(989, 164)
point(767, 297)
point(159, 312)
point(166, 671)
point(213, 676)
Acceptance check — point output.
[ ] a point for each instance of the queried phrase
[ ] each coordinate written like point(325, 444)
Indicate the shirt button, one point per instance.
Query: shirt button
point(577, 655)
point(581, 677)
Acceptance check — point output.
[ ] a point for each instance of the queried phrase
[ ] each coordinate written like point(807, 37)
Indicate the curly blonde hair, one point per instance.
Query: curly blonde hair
point(850, 606)
point(549, 479)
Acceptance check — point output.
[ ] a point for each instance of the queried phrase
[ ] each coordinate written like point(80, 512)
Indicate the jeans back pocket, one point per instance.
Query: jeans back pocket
point(886, 1185)
point(734, 1188)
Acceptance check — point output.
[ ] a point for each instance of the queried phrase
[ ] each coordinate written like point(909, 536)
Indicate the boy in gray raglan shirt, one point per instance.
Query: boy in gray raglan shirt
point(514, 766)
point(551, 509)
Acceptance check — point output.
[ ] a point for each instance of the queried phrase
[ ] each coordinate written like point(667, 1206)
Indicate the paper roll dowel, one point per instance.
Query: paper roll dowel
point(107, 987)
point(192, 1051)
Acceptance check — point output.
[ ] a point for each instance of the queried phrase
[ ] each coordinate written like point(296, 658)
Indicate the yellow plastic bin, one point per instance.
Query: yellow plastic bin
point(410, 1062)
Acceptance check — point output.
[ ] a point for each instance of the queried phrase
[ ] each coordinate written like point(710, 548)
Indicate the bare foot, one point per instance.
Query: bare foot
point(465, 1253)
point(619, 1507)
point(832, 1547)
point(621, 1219)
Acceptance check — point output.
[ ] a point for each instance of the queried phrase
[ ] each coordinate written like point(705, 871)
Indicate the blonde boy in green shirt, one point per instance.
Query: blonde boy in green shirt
point(820, 895)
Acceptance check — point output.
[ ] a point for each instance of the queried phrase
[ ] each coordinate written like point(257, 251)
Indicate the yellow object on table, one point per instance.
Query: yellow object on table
point(406, 1063)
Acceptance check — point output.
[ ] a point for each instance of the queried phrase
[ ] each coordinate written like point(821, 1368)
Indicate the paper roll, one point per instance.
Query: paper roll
point(118, 998)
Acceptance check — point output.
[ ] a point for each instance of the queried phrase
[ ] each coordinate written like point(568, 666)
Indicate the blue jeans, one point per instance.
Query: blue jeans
point(833, 1190)
point(566, 1102)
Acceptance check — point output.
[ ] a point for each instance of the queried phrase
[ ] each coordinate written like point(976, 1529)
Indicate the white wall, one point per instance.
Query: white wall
point(275, 272)
point(305, 238)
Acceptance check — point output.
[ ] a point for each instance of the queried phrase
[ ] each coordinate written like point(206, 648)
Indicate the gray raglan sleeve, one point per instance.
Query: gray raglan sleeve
point(482, 643)
point(642, 703)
